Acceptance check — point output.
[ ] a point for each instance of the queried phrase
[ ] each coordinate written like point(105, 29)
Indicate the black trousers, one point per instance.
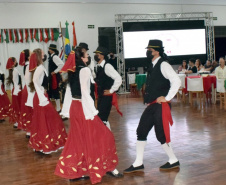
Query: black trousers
point(152, 116)
point(54, 93)
point(104, 105)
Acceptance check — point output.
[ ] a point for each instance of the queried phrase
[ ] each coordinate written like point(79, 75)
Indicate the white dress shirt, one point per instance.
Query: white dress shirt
point(220, 73)
point(112, 73)
point(37, 80)
point(1, 93)
point(58, 62)
point(27, 79)
point(169, 73)
point(91, 66)
point(16, 81)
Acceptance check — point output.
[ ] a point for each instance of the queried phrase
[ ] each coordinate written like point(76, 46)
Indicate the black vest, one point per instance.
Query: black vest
point(45, 82)
point(52, 65)
point(75, 83)
point(156, 85)
point(2, 78)
point(103, 81)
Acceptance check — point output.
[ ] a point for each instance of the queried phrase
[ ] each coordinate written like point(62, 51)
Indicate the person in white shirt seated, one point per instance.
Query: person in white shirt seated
point(220, 71)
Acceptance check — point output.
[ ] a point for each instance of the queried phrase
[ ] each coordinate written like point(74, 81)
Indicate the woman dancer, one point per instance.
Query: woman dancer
point(47, 131)
point(4, 100)
point(15, 79)
point(26, 103)
point(90, 148)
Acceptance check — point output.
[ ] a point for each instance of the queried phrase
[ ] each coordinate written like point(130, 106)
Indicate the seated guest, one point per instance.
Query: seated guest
point(183, 67)
point(214, 66)
point(192, 68)
point(198, 64)
point(220, 71)
point(208, 65)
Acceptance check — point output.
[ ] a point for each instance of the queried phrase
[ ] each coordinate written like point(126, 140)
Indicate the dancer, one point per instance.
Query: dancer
point(108, 81)
point(47, 132)
point(14, 79)
point(4, 100)
point(91, 65)
point(26, 103)
point(161, 86)
point(90, 147)
point(55, 65)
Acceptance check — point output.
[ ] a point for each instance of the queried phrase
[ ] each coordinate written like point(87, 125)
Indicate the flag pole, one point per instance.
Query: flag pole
point(62, 34)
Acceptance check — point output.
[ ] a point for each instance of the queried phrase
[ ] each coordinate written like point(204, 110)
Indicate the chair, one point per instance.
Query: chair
point(180, 91)
point(132, 84)
point(222, 92)
point(195, 85)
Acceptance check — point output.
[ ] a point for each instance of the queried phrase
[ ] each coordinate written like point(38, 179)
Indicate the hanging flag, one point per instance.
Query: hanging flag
point(74, 36)
point(6, 35)
point(16, 35)
point(31, 35)
point(36, 36)
point(61, 44)
point(21, 35)
point(67, 49)
point(56, 33)
point(52, 34)
point(11, 35)
point(26, 35)
point(41, 35)
point(1, 36)
point(47, 35)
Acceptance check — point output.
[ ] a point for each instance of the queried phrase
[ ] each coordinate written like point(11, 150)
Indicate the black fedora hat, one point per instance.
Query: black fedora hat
point(83, 45)
point(155, 44)
point(101, 50)
point(53, 47)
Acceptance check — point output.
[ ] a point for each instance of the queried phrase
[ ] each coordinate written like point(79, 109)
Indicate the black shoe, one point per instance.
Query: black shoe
point(27, 136)
point(134, 169)
point(169, 166)
point(64, 119)
point(14, 126)
point(2, 120)
point(80, 178)
point(119, 175)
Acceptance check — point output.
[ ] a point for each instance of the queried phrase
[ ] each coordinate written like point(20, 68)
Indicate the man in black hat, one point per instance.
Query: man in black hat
point(55, 65)
point(161, 86)
point(108, 81)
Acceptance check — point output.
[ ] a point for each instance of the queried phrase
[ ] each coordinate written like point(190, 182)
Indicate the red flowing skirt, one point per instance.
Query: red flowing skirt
point(48, 133)
point(89, 150)
point(26, 112)
point(14, 111)
point(4, 104)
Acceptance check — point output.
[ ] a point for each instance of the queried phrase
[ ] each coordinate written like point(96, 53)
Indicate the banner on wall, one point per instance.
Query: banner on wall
point(29, 35)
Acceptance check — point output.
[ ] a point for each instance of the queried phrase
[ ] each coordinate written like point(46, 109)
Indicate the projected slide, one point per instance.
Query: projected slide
point(175, 42)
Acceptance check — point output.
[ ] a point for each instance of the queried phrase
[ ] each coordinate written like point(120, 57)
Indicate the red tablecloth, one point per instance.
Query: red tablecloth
point(207, 83)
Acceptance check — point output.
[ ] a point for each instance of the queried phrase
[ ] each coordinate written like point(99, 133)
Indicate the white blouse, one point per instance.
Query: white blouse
point(88, 106)
point(16, 81)
point(1, 93)
point(27, 79)
point(37, 80)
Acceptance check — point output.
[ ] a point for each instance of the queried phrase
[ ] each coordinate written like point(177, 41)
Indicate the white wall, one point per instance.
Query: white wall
point(41, 15)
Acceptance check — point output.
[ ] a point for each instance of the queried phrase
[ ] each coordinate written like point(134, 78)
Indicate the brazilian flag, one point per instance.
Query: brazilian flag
point(67, 42)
